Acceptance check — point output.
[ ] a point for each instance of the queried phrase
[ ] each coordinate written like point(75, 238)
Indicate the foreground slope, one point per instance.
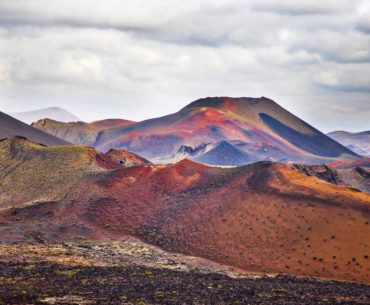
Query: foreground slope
point(79, 133)
point(55, 113)
point(10, 127)
point(261, 128)
point(359, 142)
point(264, 217)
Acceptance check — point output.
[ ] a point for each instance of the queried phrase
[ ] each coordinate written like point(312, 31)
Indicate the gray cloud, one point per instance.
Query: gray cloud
point(307, 7)
point(137, 58)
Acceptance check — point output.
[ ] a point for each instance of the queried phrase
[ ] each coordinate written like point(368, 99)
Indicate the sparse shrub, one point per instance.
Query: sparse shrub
point(353, 189)
point(280, 290)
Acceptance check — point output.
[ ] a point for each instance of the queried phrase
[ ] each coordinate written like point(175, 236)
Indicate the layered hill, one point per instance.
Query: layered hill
point(55, 113)
point(359, 142)
point(10, 127)
point(265, 217)
point(79, 133)
point(263, 129)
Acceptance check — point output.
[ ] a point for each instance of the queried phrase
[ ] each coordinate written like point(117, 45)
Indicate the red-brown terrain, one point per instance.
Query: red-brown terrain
point(258, 127)
point(265, 217)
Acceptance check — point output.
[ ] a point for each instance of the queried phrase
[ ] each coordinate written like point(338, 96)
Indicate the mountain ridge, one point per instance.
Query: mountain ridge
point(262, 128)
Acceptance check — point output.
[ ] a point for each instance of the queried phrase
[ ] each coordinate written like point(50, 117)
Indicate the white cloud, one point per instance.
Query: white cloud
point(137, 59)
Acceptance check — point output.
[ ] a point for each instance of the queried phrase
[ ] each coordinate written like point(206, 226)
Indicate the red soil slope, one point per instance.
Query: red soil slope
point(264, 217)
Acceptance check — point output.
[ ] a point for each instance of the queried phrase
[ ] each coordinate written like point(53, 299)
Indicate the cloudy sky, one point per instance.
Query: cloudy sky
point(137, 59)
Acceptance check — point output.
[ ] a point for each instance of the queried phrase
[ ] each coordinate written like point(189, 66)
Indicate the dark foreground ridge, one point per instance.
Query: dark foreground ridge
point(132, 272)
point(50, 283)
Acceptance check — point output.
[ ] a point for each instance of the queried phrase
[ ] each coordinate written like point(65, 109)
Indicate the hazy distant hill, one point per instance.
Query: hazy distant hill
point(10, 127)
point(55, 113)
point(359, 142)
point(80, 133)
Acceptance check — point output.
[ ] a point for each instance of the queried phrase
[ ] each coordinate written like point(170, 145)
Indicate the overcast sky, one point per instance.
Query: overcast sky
point(138, 59)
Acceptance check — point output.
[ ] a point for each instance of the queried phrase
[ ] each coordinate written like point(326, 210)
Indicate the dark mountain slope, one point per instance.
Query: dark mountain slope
point(10, 127)
point(224, 154)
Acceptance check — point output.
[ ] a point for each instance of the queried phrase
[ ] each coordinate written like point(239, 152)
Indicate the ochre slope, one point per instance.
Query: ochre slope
point(31, 173)
point(264, 217)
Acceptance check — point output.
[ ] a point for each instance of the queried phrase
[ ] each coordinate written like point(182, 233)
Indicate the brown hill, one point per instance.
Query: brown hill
point(264, 217)
point(126, 158)
point(10, 127)
point(79, 133)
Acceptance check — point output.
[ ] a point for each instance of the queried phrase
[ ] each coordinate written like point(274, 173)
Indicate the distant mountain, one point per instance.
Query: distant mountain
point(80, 133)
point(259, 126)
point(359, 142)
point(55, 113)
point(10, 127)
point(224, 154)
